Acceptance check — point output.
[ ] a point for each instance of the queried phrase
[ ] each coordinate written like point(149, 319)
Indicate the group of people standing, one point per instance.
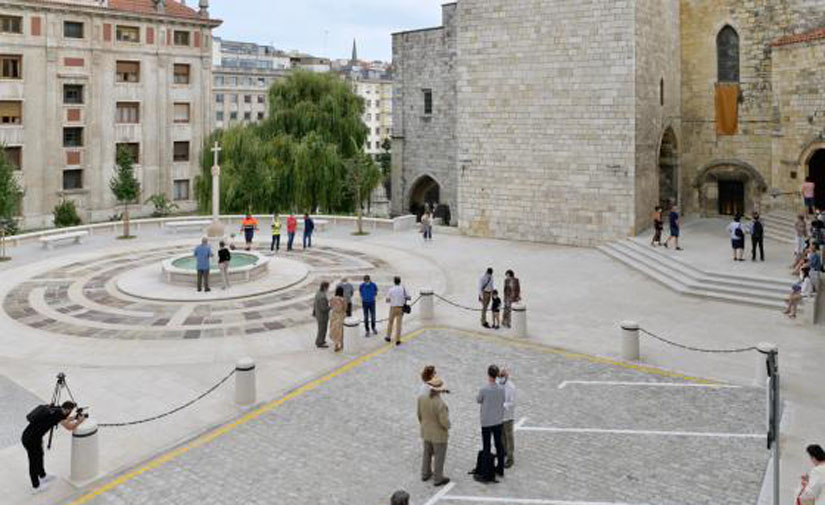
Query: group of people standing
point(490, 299)
point(331, 313)
point(738, 230)
point(675, 225)
point(808, 260)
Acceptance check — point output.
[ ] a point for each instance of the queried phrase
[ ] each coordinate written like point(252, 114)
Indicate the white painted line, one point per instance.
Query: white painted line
point(520, 423)
point(531, 501)
point(646, 384)
point(643, 432)
point(440, 495)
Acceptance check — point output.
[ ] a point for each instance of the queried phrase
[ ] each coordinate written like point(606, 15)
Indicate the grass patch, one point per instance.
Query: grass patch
point(130, 237)
point(360, 234)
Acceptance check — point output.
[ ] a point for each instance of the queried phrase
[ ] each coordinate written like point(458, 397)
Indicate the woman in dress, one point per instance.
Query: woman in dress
point(338, 313)
point(512, 294)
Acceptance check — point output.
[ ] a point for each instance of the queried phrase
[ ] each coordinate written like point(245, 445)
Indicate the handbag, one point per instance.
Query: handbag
point(406, 309)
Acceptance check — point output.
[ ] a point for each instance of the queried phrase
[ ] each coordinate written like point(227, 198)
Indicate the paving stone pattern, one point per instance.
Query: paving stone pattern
point(354, 439)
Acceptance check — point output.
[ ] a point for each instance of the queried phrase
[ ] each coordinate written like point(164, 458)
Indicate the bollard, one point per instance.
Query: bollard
point(761, 377)
point(630, 341)
point(427, 311)
point(85, 452)
point(351, 326)
point(519, 321)
point(245, 382)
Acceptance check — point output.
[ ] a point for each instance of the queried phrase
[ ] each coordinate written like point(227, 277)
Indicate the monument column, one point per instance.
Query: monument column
point(216, 229)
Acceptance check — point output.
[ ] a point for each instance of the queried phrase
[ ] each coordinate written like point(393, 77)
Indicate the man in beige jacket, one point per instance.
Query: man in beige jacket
point(434, 417)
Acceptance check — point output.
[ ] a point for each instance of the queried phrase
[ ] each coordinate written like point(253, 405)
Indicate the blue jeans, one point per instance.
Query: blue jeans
point(307, 239)
point(290, 240)
point(369, 315)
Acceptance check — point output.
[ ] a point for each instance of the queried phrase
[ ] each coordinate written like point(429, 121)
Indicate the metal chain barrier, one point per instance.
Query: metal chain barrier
point(458, 305)
point(698, 349)
point(169, 413)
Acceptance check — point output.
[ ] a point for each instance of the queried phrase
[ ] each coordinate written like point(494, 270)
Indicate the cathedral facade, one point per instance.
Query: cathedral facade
point(568, 122)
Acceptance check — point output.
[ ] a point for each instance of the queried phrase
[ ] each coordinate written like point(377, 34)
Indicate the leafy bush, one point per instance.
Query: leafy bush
point(65, 214)
point(163, 206)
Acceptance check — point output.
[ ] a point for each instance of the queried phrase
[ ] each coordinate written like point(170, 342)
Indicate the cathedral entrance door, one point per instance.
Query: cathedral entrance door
point(731, 198)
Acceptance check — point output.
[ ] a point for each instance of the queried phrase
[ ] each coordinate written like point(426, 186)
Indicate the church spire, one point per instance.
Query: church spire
point(354, 52)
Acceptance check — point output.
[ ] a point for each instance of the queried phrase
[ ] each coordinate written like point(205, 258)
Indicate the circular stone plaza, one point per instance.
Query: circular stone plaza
point(123, 320)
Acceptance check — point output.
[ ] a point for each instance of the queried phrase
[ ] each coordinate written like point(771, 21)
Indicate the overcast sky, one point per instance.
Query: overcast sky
point(324, 27)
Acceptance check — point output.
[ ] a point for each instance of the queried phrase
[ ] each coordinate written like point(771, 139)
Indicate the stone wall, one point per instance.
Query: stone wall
point(425, 144)
point(546, 126)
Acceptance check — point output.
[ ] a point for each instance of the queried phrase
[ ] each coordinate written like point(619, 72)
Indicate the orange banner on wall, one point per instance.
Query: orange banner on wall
point(727, 109)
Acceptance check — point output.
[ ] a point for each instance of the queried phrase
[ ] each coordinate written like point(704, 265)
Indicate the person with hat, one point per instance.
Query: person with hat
point(434, 418)
point(757, 237)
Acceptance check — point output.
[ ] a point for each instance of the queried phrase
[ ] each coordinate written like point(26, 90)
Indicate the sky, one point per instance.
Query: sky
point(324, 27)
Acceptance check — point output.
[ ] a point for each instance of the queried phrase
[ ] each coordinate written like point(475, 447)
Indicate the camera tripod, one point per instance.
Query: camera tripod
point(58, 391)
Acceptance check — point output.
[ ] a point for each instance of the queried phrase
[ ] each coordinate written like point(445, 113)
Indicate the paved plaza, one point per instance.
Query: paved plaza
point(354, 437)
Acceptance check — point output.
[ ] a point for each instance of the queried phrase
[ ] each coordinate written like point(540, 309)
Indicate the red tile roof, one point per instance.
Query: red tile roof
point(173, 8)
point(809, 36)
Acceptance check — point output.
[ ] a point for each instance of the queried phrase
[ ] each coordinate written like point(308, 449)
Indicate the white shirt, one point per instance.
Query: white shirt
point(816, 486)
point(486, 284)
point(732, 230)
point(397, 296)
point(509, 400)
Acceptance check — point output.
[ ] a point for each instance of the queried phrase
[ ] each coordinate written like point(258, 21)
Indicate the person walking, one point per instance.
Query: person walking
point(812, 489)
point(276, 234)
point(757, 238)
point(737, 238)
point(309, 227)
point(249, 226)
point(427, 226)
point(224, 257)
point(41, 421)
point(675, 222)
point(291, 228)
point(808, 191)
point(369, 292)
point(320, 312)
point(486, 286)
point(658, 225)
point(801, 229)
point(203, 253)
point(338, 308)
point(508, 426)
point(434, 419)
point(397, 298)
point(349, 290)
point(491, 399)
point(512, 294)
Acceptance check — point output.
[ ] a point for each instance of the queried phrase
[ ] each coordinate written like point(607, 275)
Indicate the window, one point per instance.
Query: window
point(72, 179)
point(261, 99)
point(219, 98)
point(127, 112)
point(260, 116)
point(233, 81)
point(369, 117)
point(181, 74)
point(428, 101)
point(133, 148)
point(128, 34)
point(219, 116)
point(247, 99)
point(261, 82)
point(11, 24)
point(15, 156)
point(662, 91)
point(218, 80)
point(181, 151)
point(727, 55)
point(73, 137)
point(128, 71)
point(233, 98)
point(180, 190)
point(378, 103)
point(181, 112)
point(73, 94)
point(369, 103)
point(181, 38)
point(247, 116)
point(11, 66)
point(233, 116)
point(73, 30)
point(11, 112)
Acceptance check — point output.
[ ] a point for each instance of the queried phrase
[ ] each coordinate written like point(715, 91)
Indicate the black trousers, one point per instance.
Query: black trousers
point(35, 452)
point(276, 243)
point(495, 433)
point(758, 242)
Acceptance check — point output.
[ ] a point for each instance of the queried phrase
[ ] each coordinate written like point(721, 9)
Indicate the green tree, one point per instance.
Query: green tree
point(364, 176)
point(163, 206)
point(385, 162)
point(10, 194)
point(124, 185)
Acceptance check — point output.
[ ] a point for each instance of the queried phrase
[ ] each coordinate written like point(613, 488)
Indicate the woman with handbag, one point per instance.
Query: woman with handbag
point(338, 312)
point(813, 482)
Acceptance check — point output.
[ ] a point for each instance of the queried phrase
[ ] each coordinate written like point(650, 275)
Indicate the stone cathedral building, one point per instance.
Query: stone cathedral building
point(568, 121)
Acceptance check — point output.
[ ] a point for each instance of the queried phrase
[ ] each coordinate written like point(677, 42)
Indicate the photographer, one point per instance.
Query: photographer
point(42, 420)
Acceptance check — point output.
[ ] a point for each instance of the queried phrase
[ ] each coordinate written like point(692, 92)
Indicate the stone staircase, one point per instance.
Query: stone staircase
point(779, 226)
point(679, 276)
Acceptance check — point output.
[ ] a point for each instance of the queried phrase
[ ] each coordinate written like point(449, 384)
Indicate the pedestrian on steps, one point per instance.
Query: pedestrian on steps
point(737, 238)
point(658, 226)
point(757, 238)
point(675, 227)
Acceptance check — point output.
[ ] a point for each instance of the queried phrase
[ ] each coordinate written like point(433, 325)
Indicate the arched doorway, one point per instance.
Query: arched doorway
point(729, 187)
point(668, 170)
point(816, 172)
point(425, 191)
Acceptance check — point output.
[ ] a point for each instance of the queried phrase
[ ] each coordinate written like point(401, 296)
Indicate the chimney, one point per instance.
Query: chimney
point(204, 8)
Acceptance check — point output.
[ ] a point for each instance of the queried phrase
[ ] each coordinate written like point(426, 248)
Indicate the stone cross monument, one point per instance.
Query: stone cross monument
point(216, 229)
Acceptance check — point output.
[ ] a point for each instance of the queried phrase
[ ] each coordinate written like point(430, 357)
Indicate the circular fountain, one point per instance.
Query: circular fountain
point(245, 266)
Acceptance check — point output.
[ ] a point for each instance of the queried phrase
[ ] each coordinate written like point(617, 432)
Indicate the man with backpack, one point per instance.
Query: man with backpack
point(737, 238)
point(42, 420)
point(491, 398)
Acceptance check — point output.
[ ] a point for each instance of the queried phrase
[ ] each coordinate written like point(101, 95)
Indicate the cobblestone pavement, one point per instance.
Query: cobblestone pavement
point(16, 402)
point(354, 438)
point(81, 299)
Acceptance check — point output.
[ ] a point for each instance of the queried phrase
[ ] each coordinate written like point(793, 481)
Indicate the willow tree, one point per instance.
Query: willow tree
point(299, 158)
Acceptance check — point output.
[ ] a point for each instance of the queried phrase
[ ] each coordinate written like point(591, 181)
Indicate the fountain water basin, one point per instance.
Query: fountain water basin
point(245, 266)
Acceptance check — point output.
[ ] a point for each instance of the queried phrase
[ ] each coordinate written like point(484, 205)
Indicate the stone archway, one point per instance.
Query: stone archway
point(729, 187)
point(668, 169)
point(424, 191)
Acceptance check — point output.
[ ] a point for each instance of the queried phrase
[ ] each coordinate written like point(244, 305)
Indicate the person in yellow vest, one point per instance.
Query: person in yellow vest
point(248, 226)
point(276, 233)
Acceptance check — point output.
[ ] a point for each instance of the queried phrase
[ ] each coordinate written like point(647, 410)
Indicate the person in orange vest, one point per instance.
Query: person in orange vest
point(291, 227)
point(248, 226)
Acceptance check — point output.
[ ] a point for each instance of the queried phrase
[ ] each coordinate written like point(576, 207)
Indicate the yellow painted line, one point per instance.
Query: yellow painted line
point(223, 430)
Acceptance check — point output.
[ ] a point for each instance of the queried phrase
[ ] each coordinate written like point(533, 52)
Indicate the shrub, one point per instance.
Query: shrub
point(65, 214)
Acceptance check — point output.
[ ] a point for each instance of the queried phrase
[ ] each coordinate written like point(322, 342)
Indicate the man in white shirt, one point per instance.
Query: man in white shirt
point(509, 416)
point(737, 238)
point(813, 483)
point(485, 294)
point(397, 297)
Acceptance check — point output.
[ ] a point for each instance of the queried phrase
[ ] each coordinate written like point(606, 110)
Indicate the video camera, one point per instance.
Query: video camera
point(82, 412)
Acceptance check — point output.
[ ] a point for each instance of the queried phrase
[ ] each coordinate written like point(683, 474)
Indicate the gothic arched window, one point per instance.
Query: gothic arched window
point(727, 55)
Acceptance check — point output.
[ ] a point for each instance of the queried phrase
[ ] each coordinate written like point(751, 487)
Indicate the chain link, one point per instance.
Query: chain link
point(458, 305)
point(698, 349)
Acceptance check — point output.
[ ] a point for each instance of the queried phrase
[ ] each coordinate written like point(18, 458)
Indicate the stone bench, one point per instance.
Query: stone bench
point(49, 240)
point(182, 225)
